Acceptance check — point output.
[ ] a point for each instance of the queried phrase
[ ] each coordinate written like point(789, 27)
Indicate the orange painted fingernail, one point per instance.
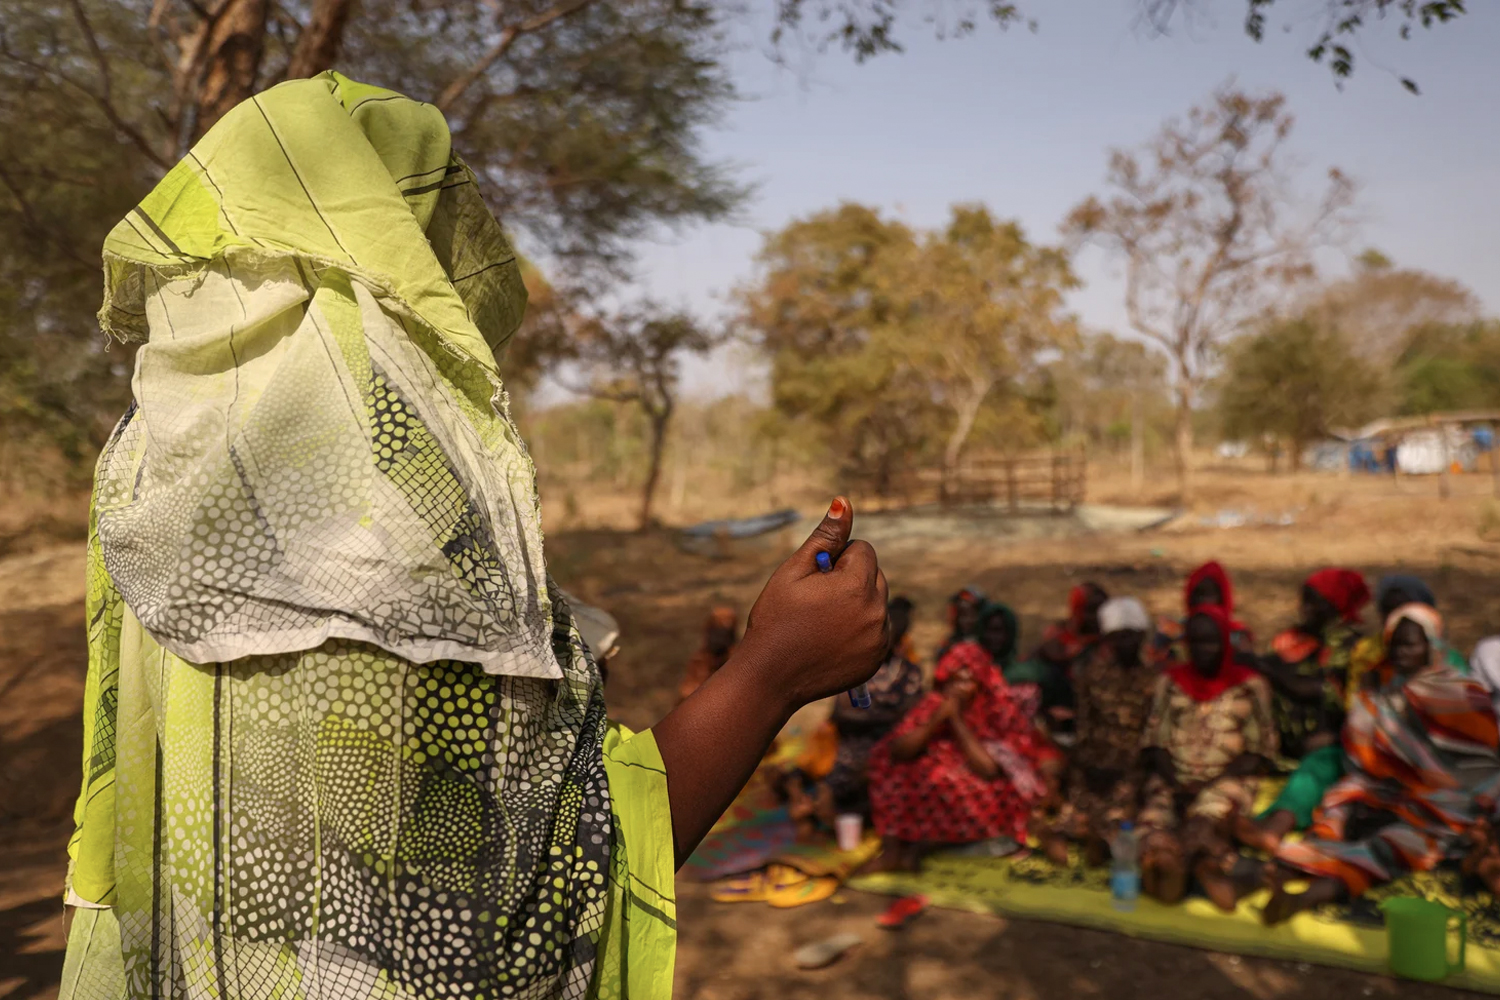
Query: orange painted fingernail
point(836, 509)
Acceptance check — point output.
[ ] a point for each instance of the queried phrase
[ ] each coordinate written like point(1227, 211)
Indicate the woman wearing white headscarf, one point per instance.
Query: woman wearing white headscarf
point(1114, 687)
point(342, 737)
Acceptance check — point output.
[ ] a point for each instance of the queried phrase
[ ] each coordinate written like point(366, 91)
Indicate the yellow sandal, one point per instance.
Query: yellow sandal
point(752, 887)
point(808, 891)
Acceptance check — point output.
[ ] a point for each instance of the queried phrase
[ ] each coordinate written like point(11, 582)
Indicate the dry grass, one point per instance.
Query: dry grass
point(660, 594)
point(32, 520)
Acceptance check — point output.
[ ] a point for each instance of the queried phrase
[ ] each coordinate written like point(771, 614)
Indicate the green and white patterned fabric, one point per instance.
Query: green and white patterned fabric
point(342, 738)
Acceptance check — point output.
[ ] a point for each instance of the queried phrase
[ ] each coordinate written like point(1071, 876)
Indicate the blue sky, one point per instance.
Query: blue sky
point(1023, 121)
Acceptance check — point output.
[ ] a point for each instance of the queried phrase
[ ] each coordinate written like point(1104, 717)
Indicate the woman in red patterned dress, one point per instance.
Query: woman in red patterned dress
point(966, 763)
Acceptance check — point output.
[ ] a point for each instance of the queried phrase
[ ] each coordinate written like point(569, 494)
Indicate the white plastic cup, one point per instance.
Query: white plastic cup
point(849, 829)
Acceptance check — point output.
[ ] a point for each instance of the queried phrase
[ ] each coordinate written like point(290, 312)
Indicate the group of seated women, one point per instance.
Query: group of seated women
point(1387, 741)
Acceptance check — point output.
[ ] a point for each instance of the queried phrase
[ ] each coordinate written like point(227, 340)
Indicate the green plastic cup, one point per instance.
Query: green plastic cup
point(1417, 938)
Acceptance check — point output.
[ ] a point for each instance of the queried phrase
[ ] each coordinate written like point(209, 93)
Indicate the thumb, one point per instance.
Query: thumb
point(831, 534)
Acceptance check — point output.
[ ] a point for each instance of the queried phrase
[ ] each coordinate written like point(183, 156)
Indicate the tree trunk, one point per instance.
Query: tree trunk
point(1294, 460)
point(1137, 446)
point(1184, 443)
point(318, 46)
point(235, 47)
point(884, 474)
point(967, 412)
point(1445, 488)
point(1184, 447)
point(677, 491)
point(653, 474)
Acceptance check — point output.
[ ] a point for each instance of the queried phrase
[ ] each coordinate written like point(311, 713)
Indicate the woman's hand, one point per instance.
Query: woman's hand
point(809, 635)
point(812, 634)
point(976, 755)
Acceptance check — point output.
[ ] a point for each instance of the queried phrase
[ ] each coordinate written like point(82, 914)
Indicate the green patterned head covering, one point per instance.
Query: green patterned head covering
point(342, 739)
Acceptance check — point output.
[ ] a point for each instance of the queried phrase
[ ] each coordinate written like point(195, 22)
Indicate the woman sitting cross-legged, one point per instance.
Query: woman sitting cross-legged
point(1424, 772)
point(894, 690)
point(1309, 668)
point(1209, 736)
point(1115, 689)
point(966, 764)
point(1065, 646)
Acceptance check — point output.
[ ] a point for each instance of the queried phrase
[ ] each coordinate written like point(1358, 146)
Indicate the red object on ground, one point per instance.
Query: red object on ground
point(902, 912)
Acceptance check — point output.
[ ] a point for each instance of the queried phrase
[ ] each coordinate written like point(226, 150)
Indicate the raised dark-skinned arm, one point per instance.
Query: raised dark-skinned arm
point(809, 635)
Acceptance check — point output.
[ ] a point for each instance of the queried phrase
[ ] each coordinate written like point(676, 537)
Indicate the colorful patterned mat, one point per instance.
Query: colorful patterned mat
point(1351, 936)
point(756, 831)
point(744, 846)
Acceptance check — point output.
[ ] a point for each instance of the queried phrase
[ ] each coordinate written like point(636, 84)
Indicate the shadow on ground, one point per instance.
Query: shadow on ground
point(660, 596)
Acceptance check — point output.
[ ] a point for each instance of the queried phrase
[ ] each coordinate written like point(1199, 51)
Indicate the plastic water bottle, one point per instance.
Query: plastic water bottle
point(1125, 868)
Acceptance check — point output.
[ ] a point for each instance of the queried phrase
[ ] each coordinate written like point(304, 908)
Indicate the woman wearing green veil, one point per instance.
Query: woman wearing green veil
point(342, 738)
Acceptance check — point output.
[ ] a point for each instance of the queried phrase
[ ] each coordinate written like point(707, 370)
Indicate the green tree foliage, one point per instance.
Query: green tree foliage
point(894, 344)
point(1380, 304)
point(1338, 23)
point(582, 119)
point(1446, 367)
point(1112, 394)
point(1293, 382)
point(866, 28)
point(813, 313)
point(971, 308)
point(635, 357)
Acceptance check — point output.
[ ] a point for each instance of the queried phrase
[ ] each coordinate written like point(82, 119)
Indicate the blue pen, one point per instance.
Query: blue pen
point(858, 697)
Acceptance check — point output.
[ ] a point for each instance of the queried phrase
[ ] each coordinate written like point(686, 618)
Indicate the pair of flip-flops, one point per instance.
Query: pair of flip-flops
point(781, 886)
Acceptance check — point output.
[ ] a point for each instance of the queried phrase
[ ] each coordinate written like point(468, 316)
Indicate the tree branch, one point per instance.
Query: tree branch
point(106, 82)
point(27, 215)
point(105, 99)
point(1133, 311)
point(318, 45)
point(507, 38)
point(32, 223)
point(119, 123)
point(599, 392)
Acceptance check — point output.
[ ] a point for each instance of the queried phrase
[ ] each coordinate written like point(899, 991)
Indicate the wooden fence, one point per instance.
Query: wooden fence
point(1055, 483)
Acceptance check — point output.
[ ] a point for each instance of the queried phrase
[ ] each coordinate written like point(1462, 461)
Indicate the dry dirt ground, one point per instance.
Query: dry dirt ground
point(660, 597)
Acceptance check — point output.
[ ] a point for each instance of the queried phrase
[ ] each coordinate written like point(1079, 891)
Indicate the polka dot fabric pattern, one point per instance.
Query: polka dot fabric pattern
point(342, 823)
point(343, 740)
point(329, 488)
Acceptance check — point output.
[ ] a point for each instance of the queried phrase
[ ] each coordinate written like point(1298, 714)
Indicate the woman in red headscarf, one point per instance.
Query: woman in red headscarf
point(1065, 645)
point(1209, 584)
point(1209, 736)
point(963, 619)
point(1073, 636)
point(1309, 662)
point(966, 764)
point(1308, 668)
